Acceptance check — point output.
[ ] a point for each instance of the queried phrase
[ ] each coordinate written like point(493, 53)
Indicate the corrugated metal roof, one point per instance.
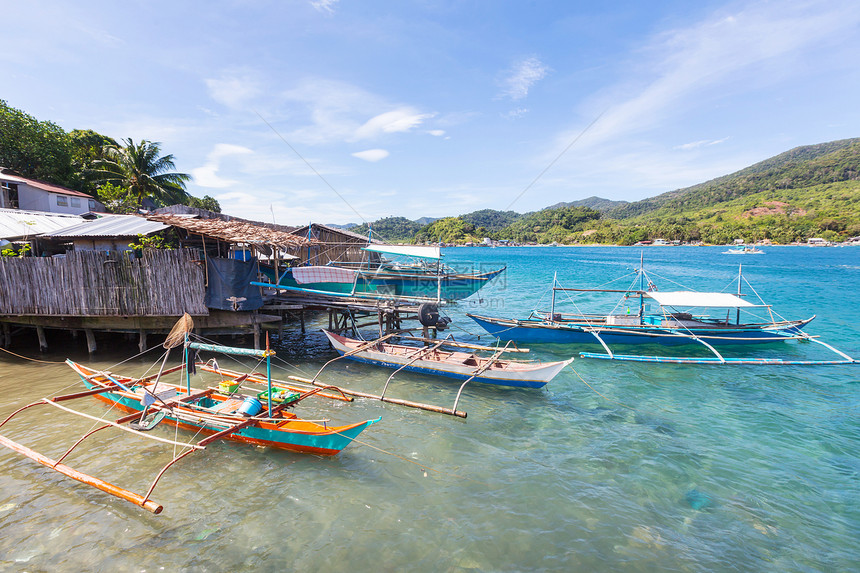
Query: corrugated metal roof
point(16, 224)
point(109, 226)
point(5, 175)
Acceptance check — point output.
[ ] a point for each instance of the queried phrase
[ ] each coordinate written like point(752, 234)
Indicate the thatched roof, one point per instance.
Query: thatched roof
point(234, 231)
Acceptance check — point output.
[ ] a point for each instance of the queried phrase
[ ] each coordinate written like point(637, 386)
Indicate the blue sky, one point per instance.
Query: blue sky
point(340, 111)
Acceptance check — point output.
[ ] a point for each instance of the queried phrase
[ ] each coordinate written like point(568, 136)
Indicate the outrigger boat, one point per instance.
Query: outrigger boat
point(747, 250)
point(216, 412)
point(428, 278)
point(674, 324)
point(435, 359)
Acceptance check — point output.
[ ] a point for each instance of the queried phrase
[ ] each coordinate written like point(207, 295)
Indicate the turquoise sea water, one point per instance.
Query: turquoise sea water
point(612, 467)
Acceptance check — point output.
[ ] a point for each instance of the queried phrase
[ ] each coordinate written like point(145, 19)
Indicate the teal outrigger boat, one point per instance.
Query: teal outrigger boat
point(426, 278)
point(222, 412)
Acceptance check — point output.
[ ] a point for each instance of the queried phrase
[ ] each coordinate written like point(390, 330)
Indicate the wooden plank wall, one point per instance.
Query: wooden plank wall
point(104, 283)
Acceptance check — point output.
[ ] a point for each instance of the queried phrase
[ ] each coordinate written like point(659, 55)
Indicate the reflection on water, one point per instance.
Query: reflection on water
point(648, 467)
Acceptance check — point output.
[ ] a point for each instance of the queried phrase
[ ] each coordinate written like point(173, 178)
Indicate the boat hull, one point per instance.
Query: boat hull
point(535, 331)
point(291, 434)
point(453, 286)
point(536, 376)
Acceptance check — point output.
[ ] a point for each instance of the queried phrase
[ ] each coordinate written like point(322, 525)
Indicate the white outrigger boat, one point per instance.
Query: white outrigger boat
point(434, 359)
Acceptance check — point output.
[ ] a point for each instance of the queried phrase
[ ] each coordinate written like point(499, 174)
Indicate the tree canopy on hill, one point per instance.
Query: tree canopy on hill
point(562, 225)
point(393, 229)
point(491, 219)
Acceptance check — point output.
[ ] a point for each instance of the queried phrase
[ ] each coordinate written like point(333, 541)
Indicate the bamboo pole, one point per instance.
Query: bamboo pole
point(399, 402)
point(95, 482)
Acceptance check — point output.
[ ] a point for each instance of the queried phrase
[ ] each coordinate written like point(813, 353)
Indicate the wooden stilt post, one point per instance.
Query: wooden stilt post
point(91, 340)
point(256, 334)
point(381, 329)
point(43, 343)
point(142, 345)
point(330, 311)
point(302, 319)
point(7, 335)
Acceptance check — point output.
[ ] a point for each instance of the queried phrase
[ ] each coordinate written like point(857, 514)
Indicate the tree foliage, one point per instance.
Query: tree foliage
point(393, 229)
point(140, 168)
point(36, 149)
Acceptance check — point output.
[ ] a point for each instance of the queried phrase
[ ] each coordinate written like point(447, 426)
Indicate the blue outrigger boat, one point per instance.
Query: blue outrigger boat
point(675, 324)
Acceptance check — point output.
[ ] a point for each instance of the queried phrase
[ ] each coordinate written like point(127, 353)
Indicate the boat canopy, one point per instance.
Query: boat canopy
point(421, 251)
point(685, 298)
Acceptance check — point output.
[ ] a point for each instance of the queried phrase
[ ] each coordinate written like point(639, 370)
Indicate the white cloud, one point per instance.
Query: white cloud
point(372, 155)
point(524, 74)
point(726, 53)
point(397, 121)
point(437, 132)
point(325, 6)
point(207, 175)
point(701, 143)
point(515, 113)
point(234, 88)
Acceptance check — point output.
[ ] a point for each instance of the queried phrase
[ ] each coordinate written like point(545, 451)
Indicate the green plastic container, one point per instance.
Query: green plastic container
point(278, 396)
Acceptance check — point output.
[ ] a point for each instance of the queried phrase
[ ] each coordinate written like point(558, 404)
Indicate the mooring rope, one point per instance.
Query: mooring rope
point(33, 359)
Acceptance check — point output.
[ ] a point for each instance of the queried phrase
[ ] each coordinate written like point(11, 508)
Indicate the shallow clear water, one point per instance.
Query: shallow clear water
point(615, 466)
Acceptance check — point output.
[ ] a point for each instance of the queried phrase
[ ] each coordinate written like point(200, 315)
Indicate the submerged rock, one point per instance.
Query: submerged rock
point(697, 499)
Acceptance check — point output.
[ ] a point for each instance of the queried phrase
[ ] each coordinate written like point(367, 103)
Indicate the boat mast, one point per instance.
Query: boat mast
point(738, 310)
point(641, 285)
point(552, 303)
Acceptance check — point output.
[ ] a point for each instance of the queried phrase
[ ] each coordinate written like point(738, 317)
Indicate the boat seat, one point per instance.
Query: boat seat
point(227, 406)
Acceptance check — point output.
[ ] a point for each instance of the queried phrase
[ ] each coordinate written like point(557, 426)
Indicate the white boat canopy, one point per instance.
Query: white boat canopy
point(684, 298)
point(421, 251)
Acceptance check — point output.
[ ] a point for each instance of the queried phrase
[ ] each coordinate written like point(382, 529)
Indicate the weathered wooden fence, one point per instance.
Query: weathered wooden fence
point(104, 283)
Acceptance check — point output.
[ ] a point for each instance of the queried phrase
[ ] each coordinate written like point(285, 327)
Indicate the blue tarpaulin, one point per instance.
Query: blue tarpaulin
point(232, 278)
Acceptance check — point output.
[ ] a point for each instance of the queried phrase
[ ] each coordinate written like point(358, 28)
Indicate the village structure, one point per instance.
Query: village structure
point(71, 266)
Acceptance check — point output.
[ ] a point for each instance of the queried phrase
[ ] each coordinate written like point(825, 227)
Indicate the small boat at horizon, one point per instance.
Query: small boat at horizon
point(746, 250)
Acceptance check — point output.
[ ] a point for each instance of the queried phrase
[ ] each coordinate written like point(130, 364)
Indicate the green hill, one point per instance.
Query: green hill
point(799, 168)
point(391, 229)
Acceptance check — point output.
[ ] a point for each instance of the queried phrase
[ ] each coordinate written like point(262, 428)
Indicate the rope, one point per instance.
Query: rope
point(599, 394)
point(32, 359)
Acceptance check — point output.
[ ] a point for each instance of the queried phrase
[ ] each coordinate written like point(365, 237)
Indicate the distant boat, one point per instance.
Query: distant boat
point(674, 324)
point(744, 251)
point(456, 363)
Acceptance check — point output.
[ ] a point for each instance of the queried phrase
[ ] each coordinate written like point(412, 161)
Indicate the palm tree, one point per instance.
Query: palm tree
point(140, 169)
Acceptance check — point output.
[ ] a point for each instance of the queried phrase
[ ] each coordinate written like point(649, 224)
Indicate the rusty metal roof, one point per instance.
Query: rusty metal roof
point(234, 231)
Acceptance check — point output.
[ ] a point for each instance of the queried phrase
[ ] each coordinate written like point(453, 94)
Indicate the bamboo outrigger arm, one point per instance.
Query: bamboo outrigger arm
point(364, 346)
point(480, 371)
point(95, 482)
point(399, 402)
point(422, 352)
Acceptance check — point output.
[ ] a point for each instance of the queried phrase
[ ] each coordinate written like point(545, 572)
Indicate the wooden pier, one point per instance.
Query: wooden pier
point(113, 291)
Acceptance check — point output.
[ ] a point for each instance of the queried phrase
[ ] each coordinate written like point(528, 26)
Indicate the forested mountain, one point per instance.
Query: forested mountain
point(391, 229)
point(491, 219)
point(596, 203)
point(797, 168)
